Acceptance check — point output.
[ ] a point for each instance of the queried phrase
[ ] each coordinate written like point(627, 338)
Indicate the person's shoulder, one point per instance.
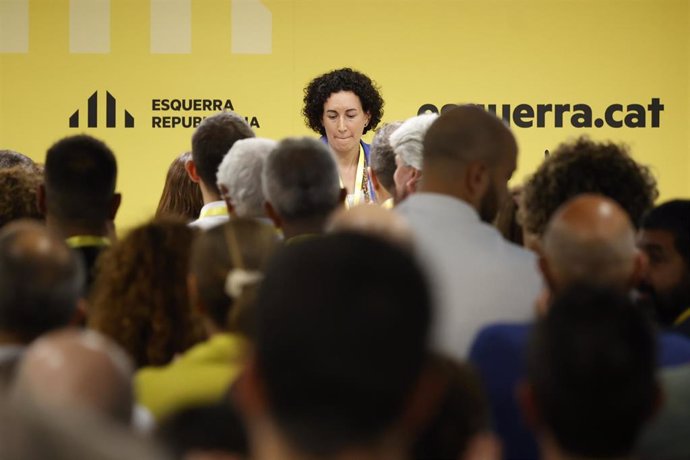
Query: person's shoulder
point(674, 349)
point(499, 339)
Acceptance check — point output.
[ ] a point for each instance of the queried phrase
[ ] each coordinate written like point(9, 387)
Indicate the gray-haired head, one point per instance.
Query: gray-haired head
point(408, 140)
point(300, 179)
point(239, 175)
point(382, 156)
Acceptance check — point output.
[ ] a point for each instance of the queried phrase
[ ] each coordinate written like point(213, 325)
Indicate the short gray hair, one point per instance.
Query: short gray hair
point(408, 140)
point(240, 173)
point(382, 156)
point(300, 179)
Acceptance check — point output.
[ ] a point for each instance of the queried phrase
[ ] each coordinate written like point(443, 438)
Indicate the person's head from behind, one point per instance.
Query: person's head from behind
point(459, 428)
point(210, 142)
point(470, 154)
point(226, 265)
point(301, 183)
point(586, 166)
point(590, 239)
point(407, 143)
point(140, 298)
point(18, 187)
point(382, 161)
point(41, 281)
point(79, 190)
point(665, 238)
point(591, 382)
point(239, 176)
point(330, 374)
point(77, 370)
point(12, 159)
point(181, 197)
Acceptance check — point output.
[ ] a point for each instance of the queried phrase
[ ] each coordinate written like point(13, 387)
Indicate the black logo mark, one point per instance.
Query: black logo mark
point(92, 113)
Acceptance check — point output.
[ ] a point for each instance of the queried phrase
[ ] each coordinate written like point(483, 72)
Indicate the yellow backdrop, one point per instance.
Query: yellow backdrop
point(257, 56)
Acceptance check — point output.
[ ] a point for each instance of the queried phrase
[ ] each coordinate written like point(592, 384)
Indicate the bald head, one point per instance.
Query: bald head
point(590, 239)
point(75, 369)
point(467, 133)
point(40, 281)
point(371, 219)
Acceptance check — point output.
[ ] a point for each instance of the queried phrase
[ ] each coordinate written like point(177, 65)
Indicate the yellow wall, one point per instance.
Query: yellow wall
point(595, 52)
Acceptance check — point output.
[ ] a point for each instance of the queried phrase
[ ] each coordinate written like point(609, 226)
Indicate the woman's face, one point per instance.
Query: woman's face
point(344, 121)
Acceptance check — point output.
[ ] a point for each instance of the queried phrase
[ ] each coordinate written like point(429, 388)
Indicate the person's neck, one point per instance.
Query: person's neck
point(70, 229)
point(442, 188)
point(270, 445)
point(347, 159)
point(207, 194)
point(313, 225)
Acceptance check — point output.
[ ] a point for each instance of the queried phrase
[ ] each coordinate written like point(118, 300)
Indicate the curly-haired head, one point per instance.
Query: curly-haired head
point(585, 166)
point(18, 194)
point(140, 297)
point(320, 89)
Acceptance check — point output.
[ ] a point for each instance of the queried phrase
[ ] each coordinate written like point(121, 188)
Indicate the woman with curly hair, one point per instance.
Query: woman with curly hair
point(140, 297)
point(342, 105)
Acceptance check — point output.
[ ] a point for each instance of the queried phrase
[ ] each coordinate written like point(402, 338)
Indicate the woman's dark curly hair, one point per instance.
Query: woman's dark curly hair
point(320, 89)
point(585, 166)
point(140, 296)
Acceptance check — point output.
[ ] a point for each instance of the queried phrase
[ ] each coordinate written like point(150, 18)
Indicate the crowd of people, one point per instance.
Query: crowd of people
point(311, 298)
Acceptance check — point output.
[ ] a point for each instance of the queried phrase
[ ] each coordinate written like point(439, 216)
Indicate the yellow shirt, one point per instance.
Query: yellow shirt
point(202, 375)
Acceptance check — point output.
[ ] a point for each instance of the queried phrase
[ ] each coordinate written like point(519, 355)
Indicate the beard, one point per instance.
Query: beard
point(489, 204)
point(670, 304)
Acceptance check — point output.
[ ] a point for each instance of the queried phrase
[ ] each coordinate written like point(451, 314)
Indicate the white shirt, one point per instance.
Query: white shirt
point(211, 214)
point(476, 276)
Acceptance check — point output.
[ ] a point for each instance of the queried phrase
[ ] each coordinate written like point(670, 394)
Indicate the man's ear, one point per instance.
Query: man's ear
point(249, 393)
point(41, 199)
point(190, 167)
point(476, 180)
point(425, 400)
point(114, 205)
point(81, 313)
point(374, 180)
point(193, 293)
point(546, 272)
point(413, 180)
point(527, 403)
point(228, 199)
point(273, 215)
point(640, 267)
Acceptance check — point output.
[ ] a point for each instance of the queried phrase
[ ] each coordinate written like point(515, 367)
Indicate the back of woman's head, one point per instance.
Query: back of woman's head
point(181, 197)
point(227, 262)
point(140, 295)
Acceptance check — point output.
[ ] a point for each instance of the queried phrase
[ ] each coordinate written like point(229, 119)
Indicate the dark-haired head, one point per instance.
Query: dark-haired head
point(41, 281)
point(80, 174)
point(213, 138)
point(591, 372)
point(320, 89)
point(586, 166)
point(338, 354)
